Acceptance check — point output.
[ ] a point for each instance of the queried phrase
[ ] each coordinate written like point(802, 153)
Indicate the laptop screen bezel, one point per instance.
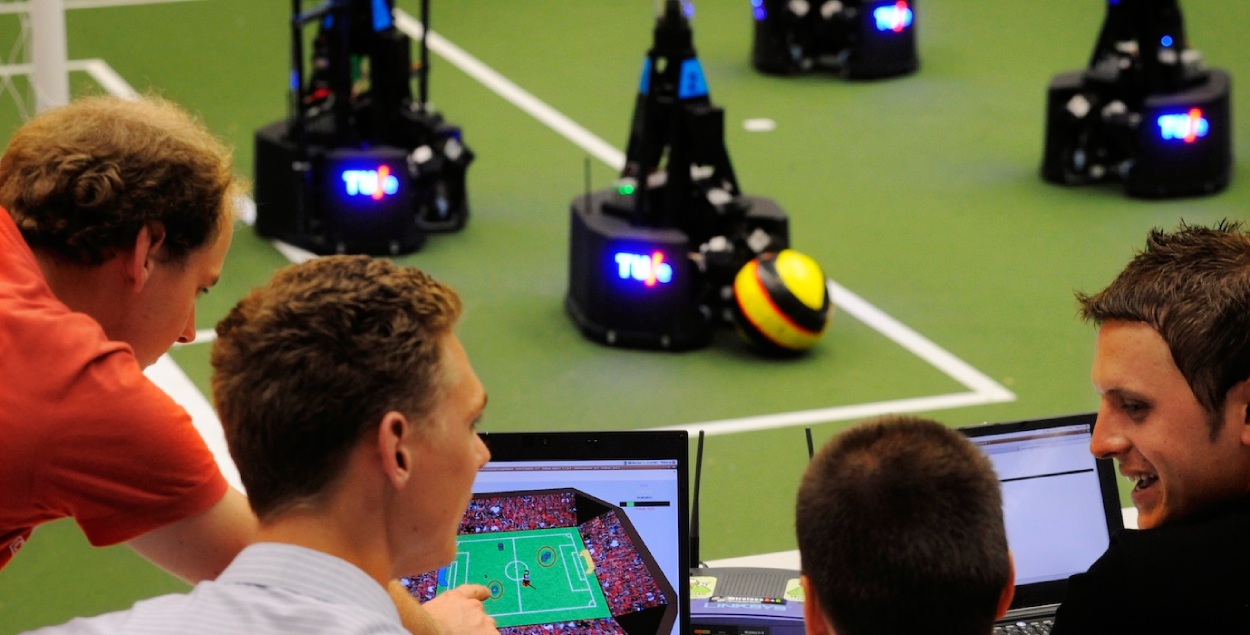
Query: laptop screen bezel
point(1053, 591)
point(613, 445)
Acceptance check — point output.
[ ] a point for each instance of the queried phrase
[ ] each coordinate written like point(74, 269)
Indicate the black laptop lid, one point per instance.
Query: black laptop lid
point(1060, 504)
point(578, 532)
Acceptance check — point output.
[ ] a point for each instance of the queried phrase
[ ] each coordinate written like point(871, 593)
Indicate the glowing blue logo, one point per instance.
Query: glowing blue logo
point(372, 183)
point(649, 270)
point(1184, 126)
point(895, 17)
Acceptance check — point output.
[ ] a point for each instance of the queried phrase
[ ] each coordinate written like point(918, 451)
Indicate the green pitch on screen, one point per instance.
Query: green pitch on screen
point(537, 576)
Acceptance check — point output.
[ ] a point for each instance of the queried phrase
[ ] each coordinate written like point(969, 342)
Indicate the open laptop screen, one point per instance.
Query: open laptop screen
point(1060, 504)
point(577, 533)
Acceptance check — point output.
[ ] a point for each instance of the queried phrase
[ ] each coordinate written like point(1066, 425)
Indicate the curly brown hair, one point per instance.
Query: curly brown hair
point(1193, 287)
point(306, 364)
point(900, 529)
point(80, 181)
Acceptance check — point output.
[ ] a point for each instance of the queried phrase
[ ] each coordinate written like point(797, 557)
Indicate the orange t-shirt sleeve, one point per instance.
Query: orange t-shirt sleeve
point(126, 459)
point(83, 433)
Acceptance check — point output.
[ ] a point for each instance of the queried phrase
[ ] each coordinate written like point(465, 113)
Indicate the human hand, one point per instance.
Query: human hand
point(460, 611)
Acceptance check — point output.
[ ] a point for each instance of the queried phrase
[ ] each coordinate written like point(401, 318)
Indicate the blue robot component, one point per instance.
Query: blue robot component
point(652, 259)
point(1147, 111)
point(859, 39)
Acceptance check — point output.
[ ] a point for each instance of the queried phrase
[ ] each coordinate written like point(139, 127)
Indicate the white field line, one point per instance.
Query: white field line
point(98, 69)
point(8, 70)
point(23, 7)
point(103, 74)
point(512, 93)
point(103, 4)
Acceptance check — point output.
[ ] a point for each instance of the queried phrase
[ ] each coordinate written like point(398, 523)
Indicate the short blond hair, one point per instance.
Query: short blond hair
point(306, 364)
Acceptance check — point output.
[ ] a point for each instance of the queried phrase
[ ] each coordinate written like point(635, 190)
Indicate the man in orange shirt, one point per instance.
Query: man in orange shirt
point(118, 216)
point(115, 216)
point(350, 408)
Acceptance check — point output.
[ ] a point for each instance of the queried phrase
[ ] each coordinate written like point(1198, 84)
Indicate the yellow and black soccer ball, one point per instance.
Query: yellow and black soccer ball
point(781, 302)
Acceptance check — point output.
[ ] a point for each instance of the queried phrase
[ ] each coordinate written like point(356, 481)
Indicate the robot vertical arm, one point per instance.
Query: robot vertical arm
point(1142, 48)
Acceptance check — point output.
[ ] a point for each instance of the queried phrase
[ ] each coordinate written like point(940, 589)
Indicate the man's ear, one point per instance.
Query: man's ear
point(1237, 409)
point(814, 619)
point(394, 441)
point(142, 261)
point(1009, 591)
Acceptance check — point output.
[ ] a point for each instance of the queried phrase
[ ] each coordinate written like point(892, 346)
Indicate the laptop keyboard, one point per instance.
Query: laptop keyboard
point(1029, 627)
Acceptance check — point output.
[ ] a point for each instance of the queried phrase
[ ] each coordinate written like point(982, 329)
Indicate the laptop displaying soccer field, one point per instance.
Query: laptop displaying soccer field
point(1060, 504)
point(577, 533)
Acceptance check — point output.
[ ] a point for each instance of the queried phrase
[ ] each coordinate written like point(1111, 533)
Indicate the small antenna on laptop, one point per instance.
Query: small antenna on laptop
point(811, 449)
point(695, 563)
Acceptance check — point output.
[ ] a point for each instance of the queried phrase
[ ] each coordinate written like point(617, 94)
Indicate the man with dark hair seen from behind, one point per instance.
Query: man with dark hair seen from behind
point(350, 409)
point(1172, 368)
point(900, 531)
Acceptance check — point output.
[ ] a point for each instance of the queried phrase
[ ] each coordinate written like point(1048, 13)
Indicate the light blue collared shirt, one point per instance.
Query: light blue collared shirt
point(269, 588)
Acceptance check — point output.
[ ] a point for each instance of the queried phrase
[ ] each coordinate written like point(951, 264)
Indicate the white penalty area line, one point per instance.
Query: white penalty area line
point(23, 7)
point(98, 69)
point(512, 93)
point(983, 390)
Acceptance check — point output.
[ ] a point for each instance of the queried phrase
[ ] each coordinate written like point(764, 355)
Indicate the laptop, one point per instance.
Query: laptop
point(577, 533)
point(1060, 504)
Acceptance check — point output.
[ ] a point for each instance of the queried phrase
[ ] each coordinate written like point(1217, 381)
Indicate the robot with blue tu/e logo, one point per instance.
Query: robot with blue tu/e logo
point(858, 39)
point(359, 165)
point(1147, 111)
point(652, 259)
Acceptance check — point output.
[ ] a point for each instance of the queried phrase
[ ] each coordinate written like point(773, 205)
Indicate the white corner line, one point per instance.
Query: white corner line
point(104, 75)
point(293, 253)
point(23, 7)
point(838, 413)
point(105, 4)
point(918, 345)
point(514, 94)
point(202, 336)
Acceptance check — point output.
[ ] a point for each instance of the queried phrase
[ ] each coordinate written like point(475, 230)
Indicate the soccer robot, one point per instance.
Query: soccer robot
point(859, 39)
point(1146, 111)
point(359, 166)
point(654, 261)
